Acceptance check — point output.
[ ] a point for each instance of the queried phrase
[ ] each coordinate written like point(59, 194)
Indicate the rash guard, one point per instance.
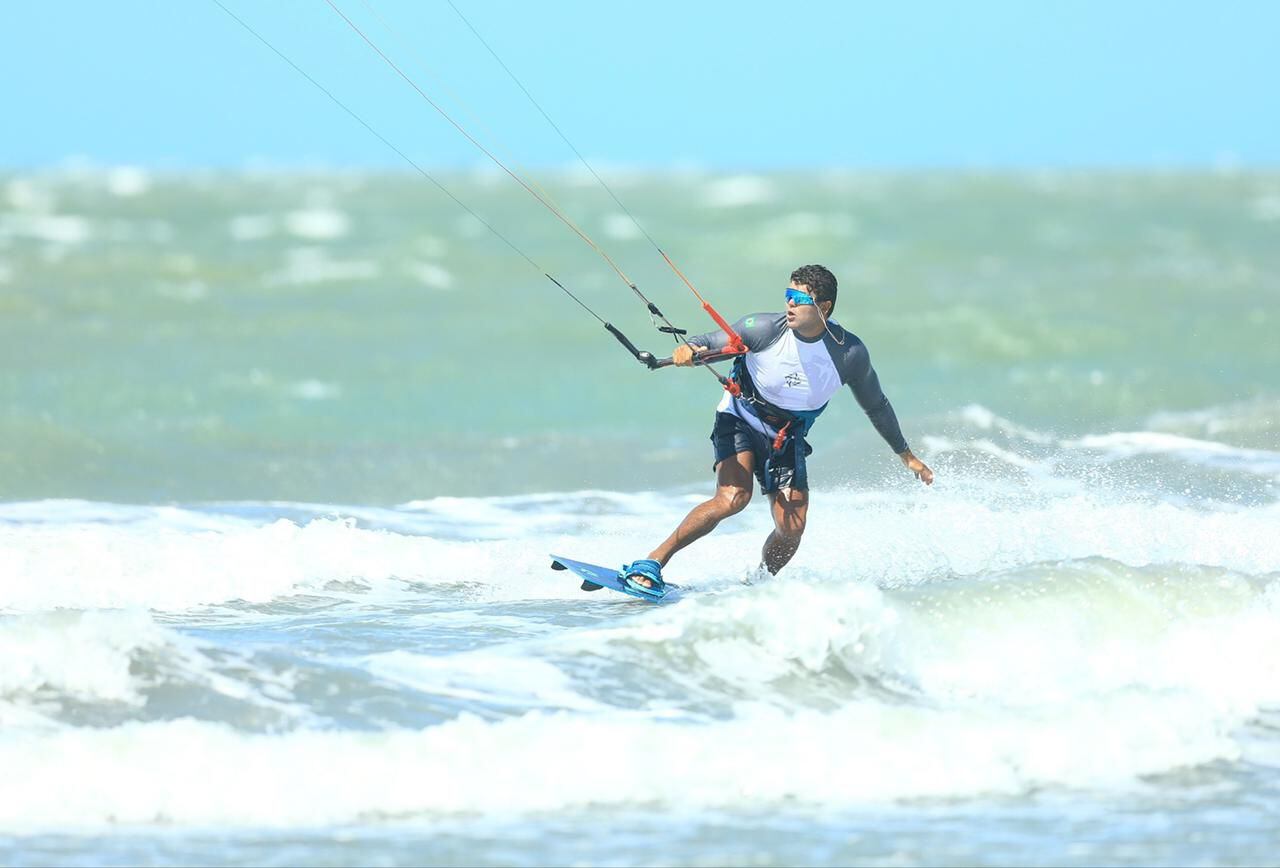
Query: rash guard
point(801, 374)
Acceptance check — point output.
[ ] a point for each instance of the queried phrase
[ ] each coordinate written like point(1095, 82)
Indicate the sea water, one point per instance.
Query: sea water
point(283, 458)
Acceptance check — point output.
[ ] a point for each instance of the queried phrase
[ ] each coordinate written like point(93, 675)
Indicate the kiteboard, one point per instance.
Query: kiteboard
point(596, 577)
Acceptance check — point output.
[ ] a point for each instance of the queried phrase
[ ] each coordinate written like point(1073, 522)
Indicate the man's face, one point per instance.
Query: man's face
point(804, 318)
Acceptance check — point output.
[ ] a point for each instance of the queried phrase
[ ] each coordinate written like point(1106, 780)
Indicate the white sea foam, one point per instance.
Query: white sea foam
point(610, 513)
point(1254, 417)
point(944, 535)
point(1123, 444)
point(74, 512)
point(985, 419)
point(1032, 637)
point(430, 274)
point(1259, 416)
point(738, 191)
point(82, 654)
point(315, 390)
point(620, 227)
point(58, 663)
point(30, 196)
point(190, 773)
point(1062, 670)
point(104, 566)
point(60, 229)
point(502, 677)
point(183, 559)
point(936, 446)
point(127, 182)
point(318, 223)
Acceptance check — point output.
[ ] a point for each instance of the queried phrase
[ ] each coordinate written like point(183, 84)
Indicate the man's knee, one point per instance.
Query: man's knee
point(790, 512)
point(733, 500)
point(791, 526)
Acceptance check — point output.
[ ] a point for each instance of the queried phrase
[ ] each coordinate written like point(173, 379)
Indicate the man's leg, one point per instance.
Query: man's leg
point(734, 484)
point(790, 506)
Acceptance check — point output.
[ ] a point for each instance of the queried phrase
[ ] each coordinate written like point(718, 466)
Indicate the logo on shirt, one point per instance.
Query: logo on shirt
point(794, 379)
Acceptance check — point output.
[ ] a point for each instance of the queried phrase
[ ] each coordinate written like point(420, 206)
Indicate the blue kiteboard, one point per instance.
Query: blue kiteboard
point(595, 577)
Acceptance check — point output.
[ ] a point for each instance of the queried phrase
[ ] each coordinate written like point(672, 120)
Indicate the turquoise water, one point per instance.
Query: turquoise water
point(350, 338)
point(283, 457)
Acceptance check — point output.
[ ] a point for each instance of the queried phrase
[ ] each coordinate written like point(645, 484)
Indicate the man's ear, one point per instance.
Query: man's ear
point(826, 307)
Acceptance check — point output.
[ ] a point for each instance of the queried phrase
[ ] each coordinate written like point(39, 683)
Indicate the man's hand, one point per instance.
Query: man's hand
point(918, 467)
point(683, 355)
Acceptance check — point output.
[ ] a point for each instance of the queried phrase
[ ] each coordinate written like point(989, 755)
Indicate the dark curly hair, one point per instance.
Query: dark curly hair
point(819, 279)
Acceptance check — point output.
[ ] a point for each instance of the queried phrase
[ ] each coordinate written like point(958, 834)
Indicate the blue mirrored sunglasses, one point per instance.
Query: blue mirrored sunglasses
point(799, 297)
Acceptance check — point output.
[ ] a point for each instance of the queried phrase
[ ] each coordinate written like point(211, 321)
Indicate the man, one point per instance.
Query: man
point(796, 361)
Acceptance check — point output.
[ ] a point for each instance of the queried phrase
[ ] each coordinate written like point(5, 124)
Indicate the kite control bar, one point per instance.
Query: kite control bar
point(710, 357)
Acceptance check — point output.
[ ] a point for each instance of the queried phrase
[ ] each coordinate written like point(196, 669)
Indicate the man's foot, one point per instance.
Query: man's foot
point(645, 576)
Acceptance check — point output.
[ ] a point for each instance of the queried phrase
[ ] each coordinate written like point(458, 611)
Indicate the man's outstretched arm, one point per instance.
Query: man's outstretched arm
point(865, 385)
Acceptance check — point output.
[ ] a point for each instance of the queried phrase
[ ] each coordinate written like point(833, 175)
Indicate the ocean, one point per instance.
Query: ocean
point(284, 456)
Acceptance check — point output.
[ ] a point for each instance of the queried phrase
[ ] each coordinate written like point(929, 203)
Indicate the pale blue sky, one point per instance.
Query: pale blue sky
point(714, 84)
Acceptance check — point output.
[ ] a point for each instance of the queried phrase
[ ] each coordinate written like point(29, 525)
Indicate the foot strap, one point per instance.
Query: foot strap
point(644, 568)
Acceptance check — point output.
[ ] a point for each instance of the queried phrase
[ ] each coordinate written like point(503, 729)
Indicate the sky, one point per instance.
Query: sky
point(702, 83)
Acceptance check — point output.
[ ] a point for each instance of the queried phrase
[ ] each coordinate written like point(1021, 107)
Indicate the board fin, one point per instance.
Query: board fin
point(587, 585)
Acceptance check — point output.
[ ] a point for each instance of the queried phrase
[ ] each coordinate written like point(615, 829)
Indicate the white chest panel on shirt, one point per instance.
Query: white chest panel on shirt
point(793, 374)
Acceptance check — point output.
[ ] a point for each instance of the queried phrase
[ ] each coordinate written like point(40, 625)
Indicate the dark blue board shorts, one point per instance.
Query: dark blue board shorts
point(730, 435)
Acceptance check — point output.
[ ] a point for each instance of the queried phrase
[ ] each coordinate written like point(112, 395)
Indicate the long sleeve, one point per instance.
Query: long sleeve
point(757, 330)
point(865, 385)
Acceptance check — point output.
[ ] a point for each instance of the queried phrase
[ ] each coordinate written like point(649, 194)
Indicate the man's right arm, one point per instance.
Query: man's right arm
point(757, 330)
point(716, 340)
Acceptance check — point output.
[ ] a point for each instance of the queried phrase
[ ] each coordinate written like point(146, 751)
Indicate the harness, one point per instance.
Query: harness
point(792, 425)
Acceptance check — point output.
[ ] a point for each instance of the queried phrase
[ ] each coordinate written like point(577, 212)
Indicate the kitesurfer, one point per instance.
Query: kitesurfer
point(795, 362)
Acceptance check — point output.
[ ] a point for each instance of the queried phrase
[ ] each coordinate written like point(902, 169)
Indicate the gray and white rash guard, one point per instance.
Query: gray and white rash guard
point(797, 373)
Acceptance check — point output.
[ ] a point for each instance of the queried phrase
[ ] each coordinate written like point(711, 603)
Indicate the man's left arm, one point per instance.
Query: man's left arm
point(865, 385)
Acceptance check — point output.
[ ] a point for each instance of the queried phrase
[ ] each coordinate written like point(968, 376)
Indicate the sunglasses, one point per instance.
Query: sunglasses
point(799, 297)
